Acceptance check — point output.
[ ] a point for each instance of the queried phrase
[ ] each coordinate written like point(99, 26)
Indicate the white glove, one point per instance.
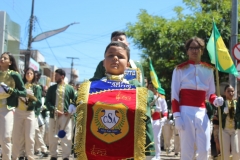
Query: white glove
point(170, 115)
point(29, 92)
point(163, 120)
point(71, 109)
point(218, 101)
point(179, 123)
point(225, 110)
point(170, 122)
point(5, 87)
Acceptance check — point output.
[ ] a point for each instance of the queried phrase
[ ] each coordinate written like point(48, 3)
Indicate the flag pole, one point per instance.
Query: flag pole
point(218, 94)
point(219, 115)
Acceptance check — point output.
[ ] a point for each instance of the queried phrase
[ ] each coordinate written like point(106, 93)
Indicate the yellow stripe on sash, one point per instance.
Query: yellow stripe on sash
point(80, 136)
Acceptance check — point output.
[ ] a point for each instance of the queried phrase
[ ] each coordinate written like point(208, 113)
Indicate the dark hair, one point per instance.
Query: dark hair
point(24, 77)
point(200, 41)
point(117, 33)
point(119, 44)
point(61, 72)
point(227, 86)
point(38, 73)
point(71, 83)
point(13, 65)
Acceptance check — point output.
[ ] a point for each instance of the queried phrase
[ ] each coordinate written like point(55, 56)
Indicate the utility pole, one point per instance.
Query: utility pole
point(234, 36)
point(28, 53)
point(71, 76)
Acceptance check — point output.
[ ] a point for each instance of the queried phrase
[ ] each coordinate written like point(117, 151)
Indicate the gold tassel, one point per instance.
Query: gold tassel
point(140, 126)
point(80, 135)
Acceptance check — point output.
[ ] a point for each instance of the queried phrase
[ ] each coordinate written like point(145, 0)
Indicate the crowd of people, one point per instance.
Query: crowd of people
point(117, 114)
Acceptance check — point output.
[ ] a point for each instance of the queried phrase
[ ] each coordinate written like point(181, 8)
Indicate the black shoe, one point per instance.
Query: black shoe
point(20, 158)
point(65, 158)
point(176, 154)
point(44, 154)
point(53, 158)
point(26, 158)
point(38, 153)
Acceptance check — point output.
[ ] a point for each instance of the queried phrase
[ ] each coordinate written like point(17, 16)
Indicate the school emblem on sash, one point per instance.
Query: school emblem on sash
point(109, 122)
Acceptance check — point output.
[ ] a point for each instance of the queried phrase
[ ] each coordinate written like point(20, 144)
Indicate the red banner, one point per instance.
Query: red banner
point(110, 125)
point(110, 121)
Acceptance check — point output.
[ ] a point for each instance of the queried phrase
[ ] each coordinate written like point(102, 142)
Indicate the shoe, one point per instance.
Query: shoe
point(176, 154)
point(20, 158)
point(26, 158)
point(53, 158)
point(65, 158)
point(37, 153)
point(44, 154)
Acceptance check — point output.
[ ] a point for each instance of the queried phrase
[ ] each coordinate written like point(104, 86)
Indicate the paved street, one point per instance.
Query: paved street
point(164, 156)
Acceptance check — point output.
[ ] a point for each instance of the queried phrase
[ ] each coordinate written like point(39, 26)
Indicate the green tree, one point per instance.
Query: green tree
point(163, 39)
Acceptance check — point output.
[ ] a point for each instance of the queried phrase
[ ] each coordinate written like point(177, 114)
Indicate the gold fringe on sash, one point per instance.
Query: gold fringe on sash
point(140, 126)
point(80, 135)
point(139, 75)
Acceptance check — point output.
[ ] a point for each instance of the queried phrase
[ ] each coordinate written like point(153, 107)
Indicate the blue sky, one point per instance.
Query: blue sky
point(88, 39)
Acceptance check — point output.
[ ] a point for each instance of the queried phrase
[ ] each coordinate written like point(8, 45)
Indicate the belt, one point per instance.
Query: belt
point(194, 98)
point(156, 116)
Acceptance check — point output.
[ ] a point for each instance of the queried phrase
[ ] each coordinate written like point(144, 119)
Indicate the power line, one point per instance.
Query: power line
point(50, 47)
point(71, 77)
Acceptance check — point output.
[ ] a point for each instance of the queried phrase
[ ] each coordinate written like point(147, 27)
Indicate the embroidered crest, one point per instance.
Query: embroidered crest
point(109, 122)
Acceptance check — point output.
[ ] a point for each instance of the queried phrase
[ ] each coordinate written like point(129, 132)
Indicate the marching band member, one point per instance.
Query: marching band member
point(58, 100)
point(103, 127)
point(192, 84)
point(40, 147)
point(167, 130)
point(46, 116)
point(230, 123)
point(101, 71)
point(24, 119)
point(159, 117)
point(10, 89)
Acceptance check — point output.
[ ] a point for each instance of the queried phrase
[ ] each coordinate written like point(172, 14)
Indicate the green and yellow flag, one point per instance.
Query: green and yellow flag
point(154, 79)
point(219, 54)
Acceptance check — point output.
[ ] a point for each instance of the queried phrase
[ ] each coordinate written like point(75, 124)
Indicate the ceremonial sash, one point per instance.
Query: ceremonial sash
point(110, 121)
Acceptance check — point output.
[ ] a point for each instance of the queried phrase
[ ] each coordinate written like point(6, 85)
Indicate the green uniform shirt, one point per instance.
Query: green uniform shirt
point(36, 105)
point(236, 116)
point(18, 91)
point(69, 96)
point(210, 110)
